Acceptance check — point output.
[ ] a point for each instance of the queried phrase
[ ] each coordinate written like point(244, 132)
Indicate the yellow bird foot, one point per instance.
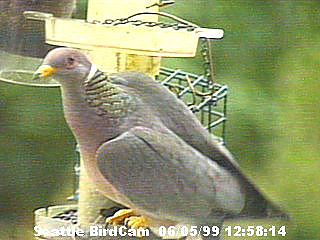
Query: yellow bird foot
point(136, 222)
point(119, 217)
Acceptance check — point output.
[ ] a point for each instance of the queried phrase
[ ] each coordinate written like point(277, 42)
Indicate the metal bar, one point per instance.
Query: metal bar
point(205, 102)
point(217, 122)
point(172, 75)
point(182, 76)
point(213, 112)
point(193, 84)
point(209, 118)
point(224, 123)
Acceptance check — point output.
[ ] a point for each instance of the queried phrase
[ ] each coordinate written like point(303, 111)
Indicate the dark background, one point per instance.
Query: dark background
point(269, 58)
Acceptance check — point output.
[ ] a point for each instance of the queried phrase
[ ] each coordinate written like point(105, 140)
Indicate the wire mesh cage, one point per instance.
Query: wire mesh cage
point(204, 98)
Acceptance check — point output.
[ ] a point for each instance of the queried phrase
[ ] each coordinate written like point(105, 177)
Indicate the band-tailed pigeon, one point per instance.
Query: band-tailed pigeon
point(146, 150)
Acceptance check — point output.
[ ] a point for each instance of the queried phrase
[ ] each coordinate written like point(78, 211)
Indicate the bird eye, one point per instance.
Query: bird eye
point(70, 61)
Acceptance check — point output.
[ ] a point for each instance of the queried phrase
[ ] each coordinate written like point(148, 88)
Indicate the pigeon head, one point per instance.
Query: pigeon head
point(65, 65)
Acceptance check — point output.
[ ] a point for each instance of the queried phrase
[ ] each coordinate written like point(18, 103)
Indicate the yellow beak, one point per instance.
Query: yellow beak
point(44, 71)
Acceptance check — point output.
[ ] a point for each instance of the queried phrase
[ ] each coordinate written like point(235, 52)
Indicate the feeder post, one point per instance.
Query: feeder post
point(91, 201)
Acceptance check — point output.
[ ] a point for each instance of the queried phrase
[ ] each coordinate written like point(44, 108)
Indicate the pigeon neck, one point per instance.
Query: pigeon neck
point(95, 81)
point(95, 77)
point(104, 96)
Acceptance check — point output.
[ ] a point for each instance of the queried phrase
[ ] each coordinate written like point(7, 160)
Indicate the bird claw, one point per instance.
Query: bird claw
point(119, 217)
point(128, 218)
point(136, 222)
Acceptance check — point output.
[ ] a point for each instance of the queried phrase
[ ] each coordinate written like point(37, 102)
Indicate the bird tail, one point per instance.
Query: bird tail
point(258, 206)
point(275, 212)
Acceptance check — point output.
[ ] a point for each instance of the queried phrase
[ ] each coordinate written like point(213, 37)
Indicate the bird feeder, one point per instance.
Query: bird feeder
point(121, 35)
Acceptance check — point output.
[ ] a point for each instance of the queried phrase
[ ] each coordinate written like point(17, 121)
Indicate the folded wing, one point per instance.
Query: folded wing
point(164, 176)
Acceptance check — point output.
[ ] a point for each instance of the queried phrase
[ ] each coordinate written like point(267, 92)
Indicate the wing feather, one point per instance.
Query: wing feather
point(163, 176)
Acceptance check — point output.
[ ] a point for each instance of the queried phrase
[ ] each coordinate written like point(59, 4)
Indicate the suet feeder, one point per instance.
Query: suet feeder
point(121, 35)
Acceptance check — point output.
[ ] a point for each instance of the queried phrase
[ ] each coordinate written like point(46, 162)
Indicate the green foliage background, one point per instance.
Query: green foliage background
point(269, 58)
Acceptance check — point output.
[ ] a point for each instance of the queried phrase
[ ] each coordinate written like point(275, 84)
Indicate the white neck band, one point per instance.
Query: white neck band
point(93, 70)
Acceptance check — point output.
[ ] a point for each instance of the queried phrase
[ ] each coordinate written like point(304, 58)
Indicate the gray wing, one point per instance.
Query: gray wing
point(174, 114)
point(163, 176)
